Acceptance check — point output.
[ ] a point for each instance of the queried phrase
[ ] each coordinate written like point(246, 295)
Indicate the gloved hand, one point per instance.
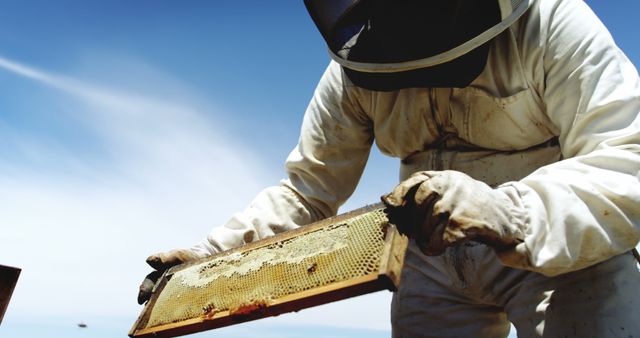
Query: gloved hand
point(439, 209)
point(161, 262)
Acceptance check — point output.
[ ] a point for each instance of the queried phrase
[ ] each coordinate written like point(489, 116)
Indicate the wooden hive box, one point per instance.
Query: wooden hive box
point(337, 258)
point(8, 279)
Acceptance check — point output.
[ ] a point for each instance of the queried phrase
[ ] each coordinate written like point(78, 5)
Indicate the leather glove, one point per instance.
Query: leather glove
point(161, 262)
point(439, 209)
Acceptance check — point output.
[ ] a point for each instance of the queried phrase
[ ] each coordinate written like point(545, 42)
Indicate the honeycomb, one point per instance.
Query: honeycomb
point(243, 281)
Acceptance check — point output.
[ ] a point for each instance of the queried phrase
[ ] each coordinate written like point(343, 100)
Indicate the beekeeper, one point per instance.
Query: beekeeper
point(516, 123)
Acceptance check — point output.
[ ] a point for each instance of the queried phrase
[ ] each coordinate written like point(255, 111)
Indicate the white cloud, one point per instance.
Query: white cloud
point(164, 175)
point(81, 232)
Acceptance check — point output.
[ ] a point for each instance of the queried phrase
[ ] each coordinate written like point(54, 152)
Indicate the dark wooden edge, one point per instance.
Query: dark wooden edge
point(382, 282)
point(8, 280)
point(143, 319)
point(390, 281)
point(392, 259)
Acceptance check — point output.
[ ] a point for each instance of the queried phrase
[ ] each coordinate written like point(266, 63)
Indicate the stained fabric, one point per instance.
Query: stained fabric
point(553, 121)
point(546, 79)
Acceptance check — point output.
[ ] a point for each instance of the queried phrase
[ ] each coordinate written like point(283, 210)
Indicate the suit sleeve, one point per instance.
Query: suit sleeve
point(585, 208)
point(323, 169)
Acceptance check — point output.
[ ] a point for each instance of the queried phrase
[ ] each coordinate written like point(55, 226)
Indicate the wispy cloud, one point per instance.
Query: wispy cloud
point(162, 174)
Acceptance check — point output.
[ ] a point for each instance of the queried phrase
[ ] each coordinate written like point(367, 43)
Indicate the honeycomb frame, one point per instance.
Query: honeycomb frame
point(288, 272)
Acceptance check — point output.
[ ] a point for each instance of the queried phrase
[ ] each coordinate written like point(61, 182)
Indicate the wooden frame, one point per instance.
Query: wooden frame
point(388, 277)
point(8, 279)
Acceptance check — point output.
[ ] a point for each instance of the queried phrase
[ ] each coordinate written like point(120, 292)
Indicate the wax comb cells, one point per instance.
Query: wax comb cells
point(337, 258)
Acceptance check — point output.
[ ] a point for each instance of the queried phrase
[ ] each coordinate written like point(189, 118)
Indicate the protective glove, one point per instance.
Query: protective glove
point(161, 262)
point(439, 209)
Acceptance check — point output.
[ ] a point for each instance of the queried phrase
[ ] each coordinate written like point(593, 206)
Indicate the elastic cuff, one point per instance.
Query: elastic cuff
point(518, 256)
point(203, 248)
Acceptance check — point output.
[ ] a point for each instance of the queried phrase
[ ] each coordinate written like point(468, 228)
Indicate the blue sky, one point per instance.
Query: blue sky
point(130, 127)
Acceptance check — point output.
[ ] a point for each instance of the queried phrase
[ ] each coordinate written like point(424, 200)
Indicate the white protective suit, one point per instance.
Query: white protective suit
point(552, 121)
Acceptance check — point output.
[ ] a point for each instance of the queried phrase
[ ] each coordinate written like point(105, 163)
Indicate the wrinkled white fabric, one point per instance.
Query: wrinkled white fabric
point(467, 293)
point(552, 120)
